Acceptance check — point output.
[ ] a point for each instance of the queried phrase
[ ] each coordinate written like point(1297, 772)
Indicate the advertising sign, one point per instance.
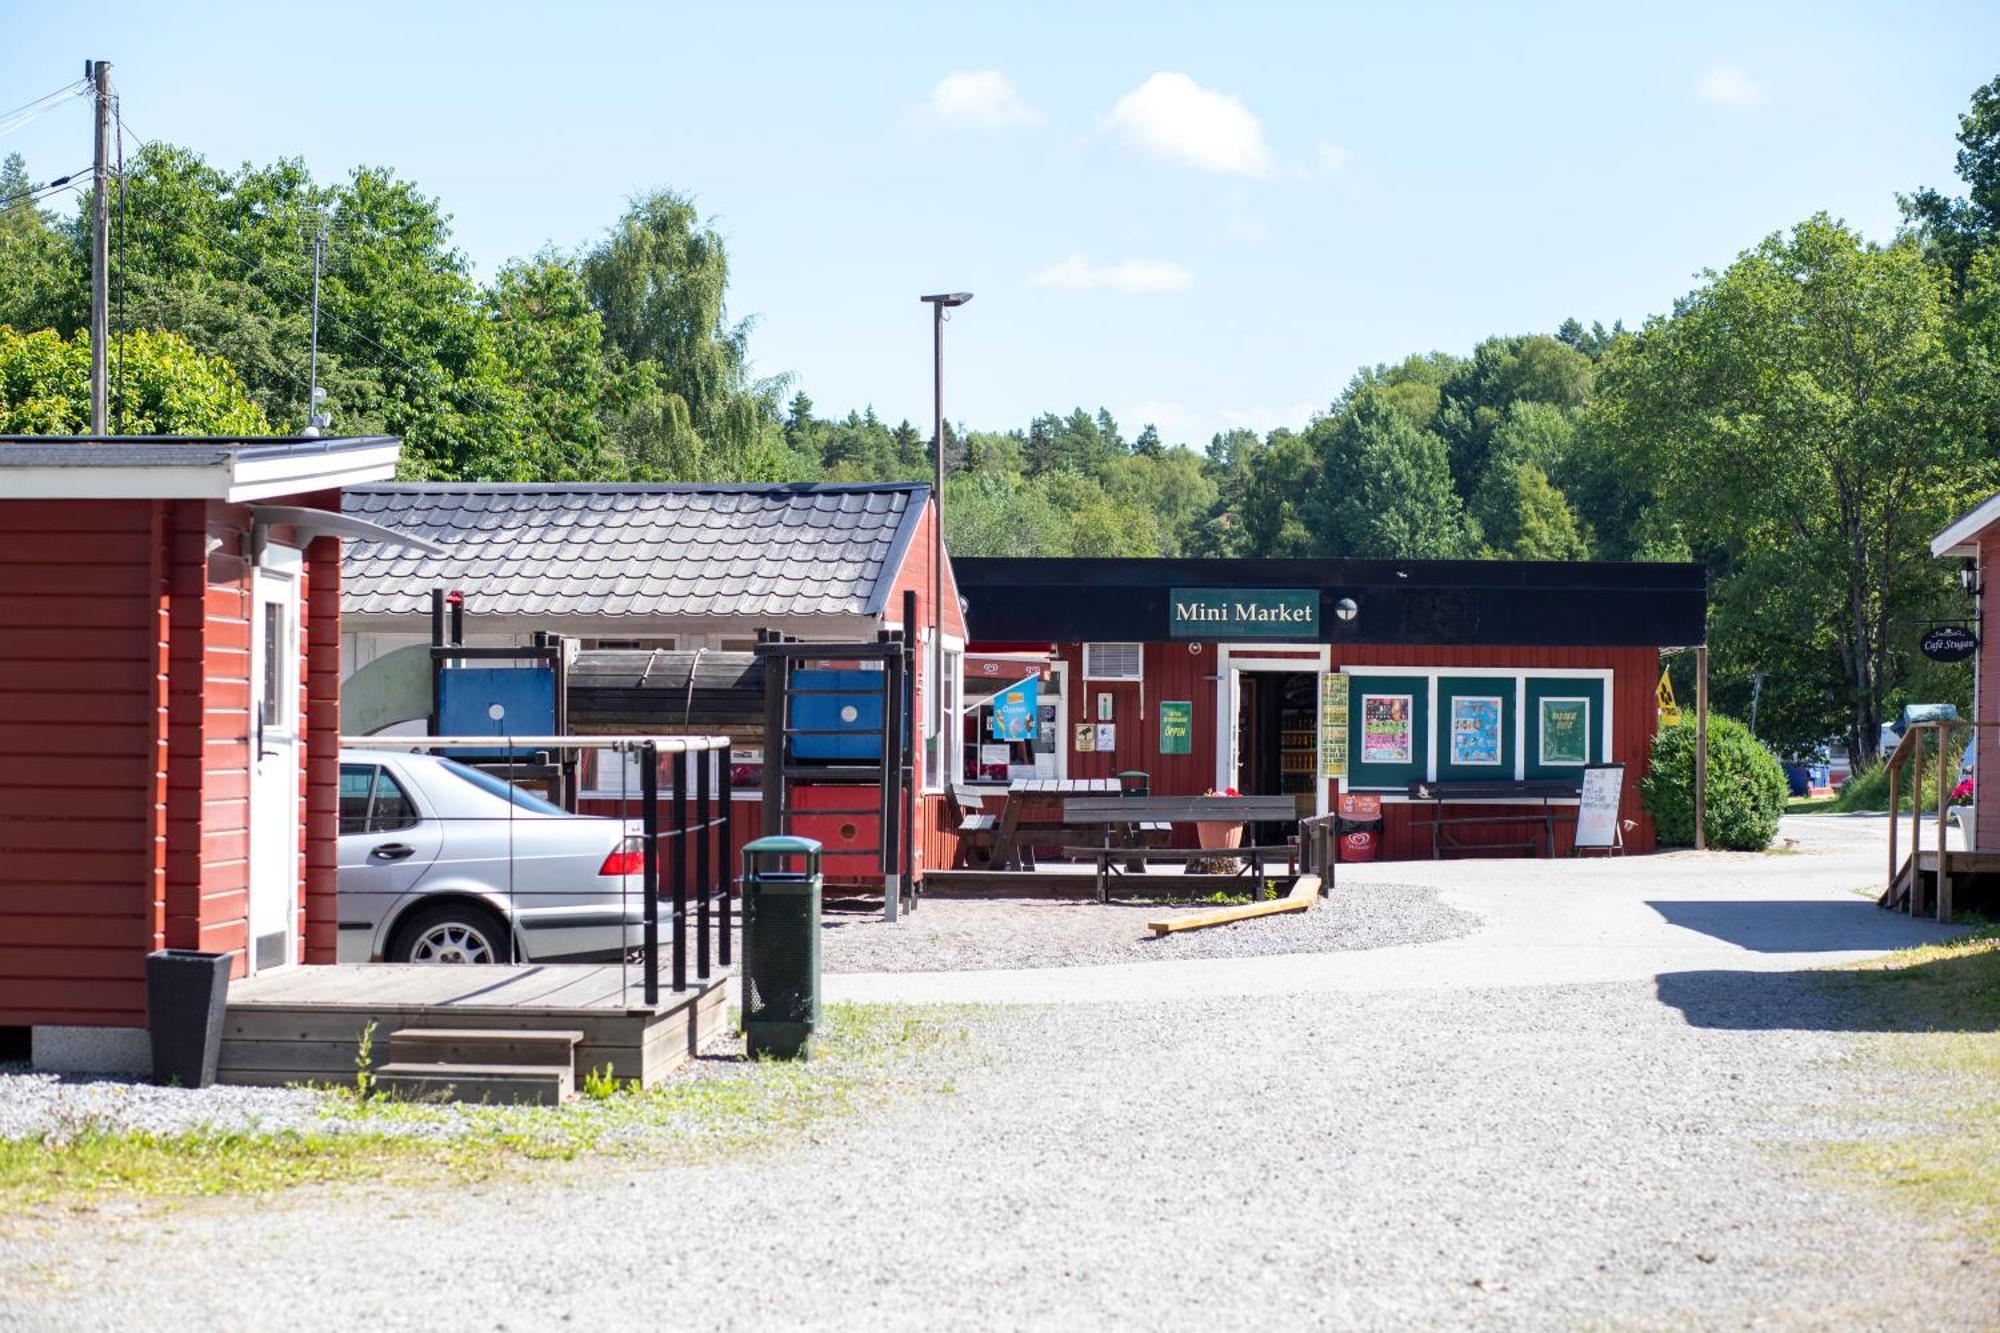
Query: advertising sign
point(1597, 811)
point(1565, 731)
point(1670, 708)
point(1333, 697)
point(1385, 729)
point(1015, 710)
point(1950, 643)
point(1176, 726)
point(1243, 613)
point(1475, 730)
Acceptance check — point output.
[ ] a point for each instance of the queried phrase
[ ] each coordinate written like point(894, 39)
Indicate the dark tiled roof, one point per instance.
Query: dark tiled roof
point(634, 550)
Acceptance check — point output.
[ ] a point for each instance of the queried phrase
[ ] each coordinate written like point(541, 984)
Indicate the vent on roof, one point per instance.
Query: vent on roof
point(1112, 661)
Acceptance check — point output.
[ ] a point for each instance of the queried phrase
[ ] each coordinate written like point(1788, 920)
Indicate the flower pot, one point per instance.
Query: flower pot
point(1218, 833)
point(186, 992)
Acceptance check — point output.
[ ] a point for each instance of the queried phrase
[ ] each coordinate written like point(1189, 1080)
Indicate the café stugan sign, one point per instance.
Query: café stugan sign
point(1243, 613)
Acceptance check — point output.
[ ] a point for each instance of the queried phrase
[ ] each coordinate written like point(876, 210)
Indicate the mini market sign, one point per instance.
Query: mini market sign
point(1255, 613)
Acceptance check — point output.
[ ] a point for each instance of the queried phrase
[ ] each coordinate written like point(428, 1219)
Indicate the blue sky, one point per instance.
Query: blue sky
point(1203, 215)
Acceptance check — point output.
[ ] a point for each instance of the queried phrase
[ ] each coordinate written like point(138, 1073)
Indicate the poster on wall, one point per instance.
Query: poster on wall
point(1107, 737)
point(1565, 732)
point(1385, 729)
point(1176, 726)
point(1086, 738)
point(1475, 730)
point(1333, 695)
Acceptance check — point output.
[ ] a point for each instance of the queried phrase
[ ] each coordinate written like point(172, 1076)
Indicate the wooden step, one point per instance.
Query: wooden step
point(532, 1085)
point(485, 1046)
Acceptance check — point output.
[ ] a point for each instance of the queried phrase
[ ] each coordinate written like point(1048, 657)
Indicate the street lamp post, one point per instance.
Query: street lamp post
point(938, 303)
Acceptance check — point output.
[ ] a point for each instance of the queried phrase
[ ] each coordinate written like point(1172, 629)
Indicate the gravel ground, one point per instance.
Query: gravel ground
point(974, 934)
point(1557, 1157)
point(36, 1105)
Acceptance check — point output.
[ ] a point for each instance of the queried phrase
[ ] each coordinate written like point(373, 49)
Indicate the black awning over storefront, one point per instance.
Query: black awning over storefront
point(1498, 602)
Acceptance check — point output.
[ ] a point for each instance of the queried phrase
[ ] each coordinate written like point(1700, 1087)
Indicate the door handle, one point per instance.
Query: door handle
point(392, 851)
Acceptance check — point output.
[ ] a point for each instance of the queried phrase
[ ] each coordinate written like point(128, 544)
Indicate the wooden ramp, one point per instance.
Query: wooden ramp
point(305, 1024)
point(1974, 883)
point(1305, 892)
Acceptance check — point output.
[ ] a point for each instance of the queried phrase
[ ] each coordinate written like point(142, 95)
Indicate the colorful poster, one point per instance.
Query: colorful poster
point(1565, 732)
point(1385, 729)
point(1086, 737)
point(1176, 726)
point(1015, 709)
point(1333, 697)
point(1475, 730)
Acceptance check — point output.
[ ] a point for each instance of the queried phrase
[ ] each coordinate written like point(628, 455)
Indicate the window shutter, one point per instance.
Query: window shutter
point(1113, 661)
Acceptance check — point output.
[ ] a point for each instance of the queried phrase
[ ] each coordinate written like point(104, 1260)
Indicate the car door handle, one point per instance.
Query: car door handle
point(393, 851)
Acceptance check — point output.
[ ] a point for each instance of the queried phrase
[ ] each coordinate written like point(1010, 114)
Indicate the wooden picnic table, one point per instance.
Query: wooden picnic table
point(1036, 805)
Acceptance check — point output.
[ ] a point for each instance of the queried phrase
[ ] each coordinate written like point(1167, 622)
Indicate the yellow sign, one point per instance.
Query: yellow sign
point(1333, 699)
point(1670, 709)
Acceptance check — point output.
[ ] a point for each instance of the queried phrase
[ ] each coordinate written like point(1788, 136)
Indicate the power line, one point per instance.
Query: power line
point(35, 193)
point(41, 106)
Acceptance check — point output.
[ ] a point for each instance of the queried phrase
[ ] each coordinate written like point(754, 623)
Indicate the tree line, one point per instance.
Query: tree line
point(1801, 421)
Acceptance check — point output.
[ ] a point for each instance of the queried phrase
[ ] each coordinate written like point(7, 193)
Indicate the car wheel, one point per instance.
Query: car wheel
point(451, 933)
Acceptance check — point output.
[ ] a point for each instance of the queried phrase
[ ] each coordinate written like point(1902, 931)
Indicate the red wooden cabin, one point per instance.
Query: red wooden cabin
point(169, 686)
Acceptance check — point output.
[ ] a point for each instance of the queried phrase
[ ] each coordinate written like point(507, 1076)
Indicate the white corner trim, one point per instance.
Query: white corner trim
point(1958, 538)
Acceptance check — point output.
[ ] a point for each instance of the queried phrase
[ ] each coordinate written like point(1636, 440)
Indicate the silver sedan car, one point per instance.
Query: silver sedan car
point(443, 863)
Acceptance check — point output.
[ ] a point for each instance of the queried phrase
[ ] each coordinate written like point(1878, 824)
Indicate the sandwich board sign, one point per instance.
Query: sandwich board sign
point(1597, 807)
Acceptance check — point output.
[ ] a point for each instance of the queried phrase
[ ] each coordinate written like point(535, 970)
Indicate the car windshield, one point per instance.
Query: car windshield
point(506, 791)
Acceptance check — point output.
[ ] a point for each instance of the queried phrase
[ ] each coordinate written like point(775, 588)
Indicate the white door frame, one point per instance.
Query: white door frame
point(1234, 658)
point(272, 878)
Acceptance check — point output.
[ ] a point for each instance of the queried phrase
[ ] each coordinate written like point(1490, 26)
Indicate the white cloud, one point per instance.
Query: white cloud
point(1332, 157)
point(1729, 85)
point(980, 99)
point(1173, 117)
point(1133, 276)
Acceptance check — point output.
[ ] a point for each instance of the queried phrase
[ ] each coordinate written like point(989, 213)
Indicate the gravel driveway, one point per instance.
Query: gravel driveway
point(971, 934)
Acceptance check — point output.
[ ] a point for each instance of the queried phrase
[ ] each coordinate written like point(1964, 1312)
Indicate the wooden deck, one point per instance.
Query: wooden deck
point(304, 1024)
point(1974, 885)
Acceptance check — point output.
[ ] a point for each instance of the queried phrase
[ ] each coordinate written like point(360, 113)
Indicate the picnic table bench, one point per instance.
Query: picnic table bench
point(1115, 861)
point(1036, 804)
point(1441, 795)
point(1124, 820)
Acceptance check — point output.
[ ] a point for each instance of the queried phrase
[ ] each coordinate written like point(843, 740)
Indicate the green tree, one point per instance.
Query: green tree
point(1957, 228)
point(1383, 488)
point(171, 389)
point(1802, 418)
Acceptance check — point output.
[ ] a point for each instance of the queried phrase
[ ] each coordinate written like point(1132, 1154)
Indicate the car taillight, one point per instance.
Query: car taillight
point(629, 858)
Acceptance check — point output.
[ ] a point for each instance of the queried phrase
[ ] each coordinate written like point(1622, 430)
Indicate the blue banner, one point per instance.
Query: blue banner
point(1015, 710)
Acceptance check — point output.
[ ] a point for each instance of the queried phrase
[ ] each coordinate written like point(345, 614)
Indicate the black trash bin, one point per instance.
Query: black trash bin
point(781, 958)
point(186, 993)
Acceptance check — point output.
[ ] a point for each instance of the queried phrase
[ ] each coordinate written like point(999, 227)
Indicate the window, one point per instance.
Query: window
point(986, 759)
point(1113, 661)
point(944, 739)
point(273, 705)
point(496, 786)
point(372, 801)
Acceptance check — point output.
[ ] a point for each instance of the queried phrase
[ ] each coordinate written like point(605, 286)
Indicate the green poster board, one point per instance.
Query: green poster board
point(1476, 726)
point(1176, 726)
point(1564, 729)
point(1562, 725)
point(1388, 731)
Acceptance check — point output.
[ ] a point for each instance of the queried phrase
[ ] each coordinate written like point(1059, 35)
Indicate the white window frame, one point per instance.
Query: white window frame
point(972, 699)
point(1520, 676)
point(1232, 659)
point(944, 734)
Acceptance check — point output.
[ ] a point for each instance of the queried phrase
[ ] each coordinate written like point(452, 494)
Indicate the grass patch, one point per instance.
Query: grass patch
point(863, 1056)
point(1940, 1007)
point(1813, 805)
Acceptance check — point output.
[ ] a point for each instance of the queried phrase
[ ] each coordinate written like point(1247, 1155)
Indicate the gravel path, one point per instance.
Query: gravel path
point(970, 934)
point(1524, 1158)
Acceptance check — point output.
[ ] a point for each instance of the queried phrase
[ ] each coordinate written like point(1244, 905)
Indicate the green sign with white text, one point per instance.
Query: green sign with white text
point(1176, 726)
point(1243, 613)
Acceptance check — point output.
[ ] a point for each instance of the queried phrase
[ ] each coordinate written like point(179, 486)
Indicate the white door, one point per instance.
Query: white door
point(274, 769)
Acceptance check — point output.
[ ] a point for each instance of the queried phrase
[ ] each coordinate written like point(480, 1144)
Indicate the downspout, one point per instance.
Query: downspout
point(160, 647)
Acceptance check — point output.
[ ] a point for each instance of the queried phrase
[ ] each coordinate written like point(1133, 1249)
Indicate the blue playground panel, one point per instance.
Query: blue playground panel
point(523, 697)
point(859, 712)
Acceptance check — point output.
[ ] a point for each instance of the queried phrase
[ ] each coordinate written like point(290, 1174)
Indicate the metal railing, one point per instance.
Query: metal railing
point(684, 863)
point(1319, 848)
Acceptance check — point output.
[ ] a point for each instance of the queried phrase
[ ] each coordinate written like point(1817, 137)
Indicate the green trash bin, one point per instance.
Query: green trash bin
point(1134, 782)
point(780, 947)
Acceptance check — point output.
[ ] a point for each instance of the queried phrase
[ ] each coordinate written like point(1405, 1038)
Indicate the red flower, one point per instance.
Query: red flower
point(1962, 792)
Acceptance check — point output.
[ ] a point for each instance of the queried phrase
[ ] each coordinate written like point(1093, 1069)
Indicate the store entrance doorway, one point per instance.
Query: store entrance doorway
point(1277, 740)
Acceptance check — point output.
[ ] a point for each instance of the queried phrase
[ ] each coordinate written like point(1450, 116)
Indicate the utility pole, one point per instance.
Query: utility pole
point(938, 702)
point(100, 255)
point(313, 392)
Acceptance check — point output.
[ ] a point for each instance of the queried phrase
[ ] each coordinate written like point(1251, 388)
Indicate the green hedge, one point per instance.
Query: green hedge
point(1746, 787)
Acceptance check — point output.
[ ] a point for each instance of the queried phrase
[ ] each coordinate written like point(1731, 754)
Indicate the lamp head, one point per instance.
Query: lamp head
point(947, 299)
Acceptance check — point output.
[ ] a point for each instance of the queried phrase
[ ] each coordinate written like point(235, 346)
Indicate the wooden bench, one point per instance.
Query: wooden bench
point(1170, 810)
point(1542, 791)
point(1116, 861)
point(975, 828)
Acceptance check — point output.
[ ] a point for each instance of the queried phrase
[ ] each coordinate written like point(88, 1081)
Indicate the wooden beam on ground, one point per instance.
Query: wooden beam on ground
point(1305, 892)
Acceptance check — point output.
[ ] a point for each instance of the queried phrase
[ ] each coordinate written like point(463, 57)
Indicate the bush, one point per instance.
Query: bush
point(1746, 787)
point(1868, 789)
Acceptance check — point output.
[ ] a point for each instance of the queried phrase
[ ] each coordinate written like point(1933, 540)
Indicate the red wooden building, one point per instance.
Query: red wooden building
point(1216, 674)
point(169, 684)
point(671, 571)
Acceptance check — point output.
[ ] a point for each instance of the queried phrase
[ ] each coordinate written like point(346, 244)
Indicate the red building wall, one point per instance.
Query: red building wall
point(125, 748)
point(1986, 790)
point(1173, 671)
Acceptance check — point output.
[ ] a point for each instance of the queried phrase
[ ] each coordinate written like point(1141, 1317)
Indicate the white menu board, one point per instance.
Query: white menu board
point(1597, 810)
